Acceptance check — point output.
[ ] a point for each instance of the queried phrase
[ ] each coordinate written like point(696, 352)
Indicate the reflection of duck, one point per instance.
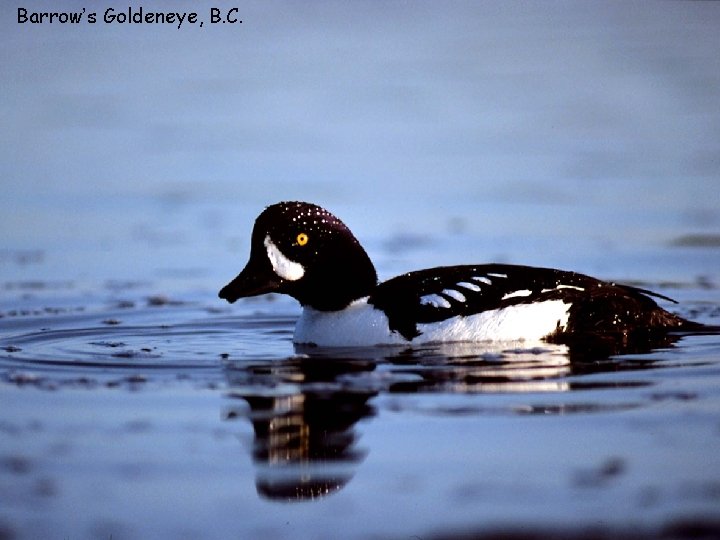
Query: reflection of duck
point(303, 421)
point(462, 368)
point(471, 368)
point(304, 409)
point(303, 250)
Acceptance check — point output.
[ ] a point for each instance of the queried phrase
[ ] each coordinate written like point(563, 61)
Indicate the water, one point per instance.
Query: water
point(152, 417)
point(134, 403)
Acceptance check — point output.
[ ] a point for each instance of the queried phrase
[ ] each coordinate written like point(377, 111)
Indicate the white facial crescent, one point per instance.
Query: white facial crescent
point(284, 267)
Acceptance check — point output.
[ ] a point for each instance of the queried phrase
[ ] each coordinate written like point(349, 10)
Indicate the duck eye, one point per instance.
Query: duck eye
point(302, 239)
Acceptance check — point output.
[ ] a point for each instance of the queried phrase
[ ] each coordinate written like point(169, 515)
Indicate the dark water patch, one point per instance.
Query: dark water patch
point(64, 381)
point(22, 257)
point(138, 425)
point(15, 428)
point(600, 476)
point(700, 490)
point(38, 285)
point(111, 344)
point(697, 241)
point(20, 378)
point(708, 312)
point(404, 242)
point(7, 532)
point(673, 396)
point(118, 285)
point(702, 282)
point(142, 354)
point(686, 528)
point(15, 464)
point(159, 300)
point(39, 312)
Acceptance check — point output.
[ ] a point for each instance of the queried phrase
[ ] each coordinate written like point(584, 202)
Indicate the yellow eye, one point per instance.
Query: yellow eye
point(302, 239)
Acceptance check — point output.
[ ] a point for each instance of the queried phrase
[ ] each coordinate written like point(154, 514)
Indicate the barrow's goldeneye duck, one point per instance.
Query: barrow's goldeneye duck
point(302, 250)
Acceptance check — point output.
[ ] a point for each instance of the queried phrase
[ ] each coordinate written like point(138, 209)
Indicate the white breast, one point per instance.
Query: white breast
point(360, 324)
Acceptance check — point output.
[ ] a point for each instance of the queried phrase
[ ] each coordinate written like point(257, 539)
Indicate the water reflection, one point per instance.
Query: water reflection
point(304, 409)
point(491, 368)
point(303, 419)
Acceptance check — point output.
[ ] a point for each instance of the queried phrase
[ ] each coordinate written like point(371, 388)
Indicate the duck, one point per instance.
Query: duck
point(302, 250)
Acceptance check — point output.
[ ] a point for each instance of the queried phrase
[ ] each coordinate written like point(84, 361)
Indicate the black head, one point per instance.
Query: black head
point(303, 250)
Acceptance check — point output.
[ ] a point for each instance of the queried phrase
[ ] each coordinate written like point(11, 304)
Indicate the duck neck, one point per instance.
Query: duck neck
point(334, 285)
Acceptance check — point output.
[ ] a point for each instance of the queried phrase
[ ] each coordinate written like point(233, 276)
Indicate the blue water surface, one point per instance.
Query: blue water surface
point(134, 158)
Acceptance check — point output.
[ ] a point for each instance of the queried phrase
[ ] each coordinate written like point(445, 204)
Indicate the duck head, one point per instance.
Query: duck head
point(302, 250)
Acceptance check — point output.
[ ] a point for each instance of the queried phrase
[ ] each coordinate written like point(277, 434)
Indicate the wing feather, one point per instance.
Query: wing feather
point(437, 294)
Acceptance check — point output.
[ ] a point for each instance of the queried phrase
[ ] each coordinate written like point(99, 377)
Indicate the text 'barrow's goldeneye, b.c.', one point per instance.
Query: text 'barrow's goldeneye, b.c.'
point(302, 250)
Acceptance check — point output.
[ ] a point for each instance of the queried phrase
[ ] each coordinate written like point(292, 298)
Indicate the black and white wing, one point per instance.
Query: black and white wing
point(440, 293)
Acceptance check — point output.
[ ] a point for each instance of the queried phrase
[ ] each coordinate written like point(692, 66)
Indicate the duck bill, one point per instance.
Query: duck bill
point(250, 282)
